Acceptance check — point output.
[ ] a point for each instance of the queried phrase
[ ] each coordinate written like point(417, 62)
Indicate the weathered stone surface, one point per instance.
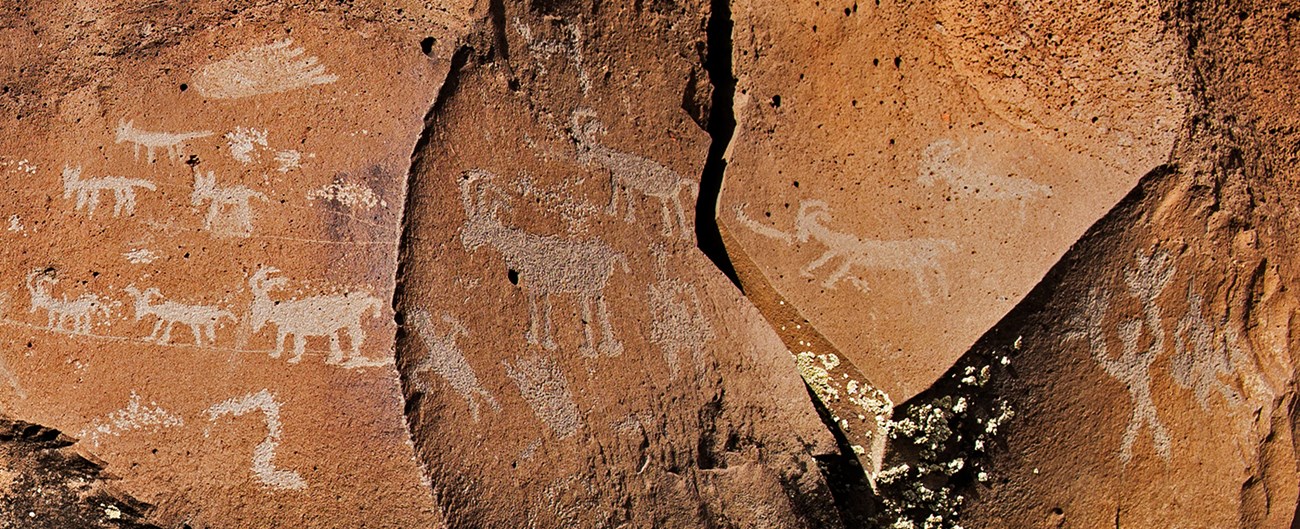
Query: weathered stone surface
point(903, 174)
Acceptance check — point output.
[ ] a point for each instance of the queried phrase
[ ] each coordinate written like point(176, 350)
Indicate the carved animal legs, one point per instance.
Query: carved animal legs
point(279, 343)
point(167, 333)
point(825, 257)
point(588, 347)
point(299, 346)
point(609, 345)
point(197, 332)
point(336, 350)
point(667, 217)
point(681, 217)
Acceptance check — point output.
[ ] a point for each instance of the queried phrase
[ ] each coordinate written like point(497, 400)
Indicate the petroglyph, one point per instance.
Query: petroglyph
point(264, 454)
point(201, 319)
point(680, 324)
point(543, 386)
point(324, 316)
point(1201, 357)
point(87, 191)
point(243, 141)
point(141, 256)
point(574, 213)
point(269, 69)
point(230, 209)
point(446, 360)
point(68, 315)
point(945, 160)
point(173, 143)
point(549, 48)
point(546, 265)
point(135, 416)
point(629, 172)
point(354, 196)
point(15, 223)
point(288, 160)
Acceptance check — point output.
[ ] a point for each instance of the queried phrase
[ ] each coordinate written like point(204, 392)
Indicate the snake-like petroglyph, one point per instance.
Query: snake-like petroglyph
point(264, 453)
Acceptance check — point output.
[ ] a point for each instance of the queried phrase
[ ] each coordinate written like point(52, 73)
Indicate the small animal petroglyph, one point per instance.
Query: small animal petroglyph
point(87, 190)
point(549, 48)
point(264, 454)
point(140, 256)
point(174, 143)
point(546, 265)
point(69, 315)
point(135, 416)
point(269, 69)
point(680, 324)
point(630, 172)
point(354, 196)
point(543, 386)
point(325, 316)
point(447, 361)
point(944, 160)
point(201, 319)
point(230, 209)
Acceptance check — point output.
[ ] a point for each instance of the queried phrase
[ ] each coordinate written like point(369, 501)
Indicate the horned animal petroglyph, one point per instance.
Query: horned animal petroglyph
point(230, 212)
point(264, 454)
point(70, 315)
point(325, 316)
point(546, 265)
point(174, 143)
point(87, 190)
point(201, 319)
point(446, 360)
point(631, 172)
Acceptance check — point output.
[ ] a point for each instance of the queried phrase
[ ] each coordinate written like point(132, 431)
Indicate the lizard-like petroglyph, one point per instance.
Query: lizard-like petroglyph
point(135, 416)
point(446, 360)
point(70, 315)
point(173, 143)
point(230, 209)
point(201, 319)
point(325, 316)
point(544, 388)
point(546, 265)
point(264, 454)
point(87, 190)
point(273, 68)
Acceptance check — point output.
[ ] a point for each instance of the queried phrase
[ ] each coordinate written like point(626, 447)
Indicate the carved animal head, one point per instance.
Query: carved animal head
point(481, 201)
point(584, 127)
point(124, 129)
point(812, 213)
point(262, 282)
point(70, 178)
point(142, 299)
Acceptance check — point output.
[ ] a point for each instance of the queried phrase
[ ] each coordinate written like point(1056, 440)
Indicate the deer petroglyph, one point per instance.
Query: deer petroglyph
point(264, 453)
point(173, 143)
point(70, 315)
point(629, 172)
point(546, 265)
point(446, 360)
point(87, 190)
point(201, 319)
point(324, 316)
point(230, 211)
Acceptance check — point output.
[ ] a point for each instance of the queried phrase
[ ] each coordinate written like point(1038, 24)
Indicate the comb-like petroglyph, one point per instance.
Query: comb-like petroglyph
point(230, 208)
point(323, 316)
point(544, 388)
point(74, 315)
point(679, 324)
point(201, 319)
point(546, 265)
point(87, 190)
point(135, 416)
point(171, 142)
point(273, 68)
point(1203, 357)
point(264, 469)
point(445, 359)
point(944, 160)
point(629, 172)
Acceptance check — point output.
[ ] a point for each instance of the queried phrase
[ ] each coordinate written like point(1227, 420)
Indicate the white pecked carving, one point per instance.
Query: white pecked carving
point(173, 143)
point(87, 190)
point(544, 388)
point(201, 319)
point(70, 315)
point(230, 209)
point(264, 453)
point(269, 69)
point(324, 316)
point(446, 360)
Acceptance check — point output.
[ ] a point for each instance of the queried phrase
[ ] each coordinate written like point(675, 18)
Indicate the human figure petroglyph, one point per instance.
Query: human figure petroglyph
point(546, 265)
point(230, 209)
point(173, 143)
point(264, 453)
point(87, 190)
point(629, 172)
point(446, 360)
point(544, 388)
point(945, 160)
point(324, 316)
point(69, 315)
point(679, 324)
point(201, 319)
point(269, 69)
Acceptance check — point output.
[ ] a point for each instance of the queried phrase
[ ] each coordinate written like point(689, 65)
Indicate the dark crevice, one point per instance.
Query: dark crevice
point(721, 127)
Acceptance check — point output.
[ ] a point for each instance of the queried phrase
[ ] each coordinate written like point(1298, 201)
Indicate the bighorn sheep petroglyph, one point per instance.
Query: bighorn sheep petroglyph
point(201, 319)
point(326, 316)
point(446, 360)
point(229, 211)
point(629, 171)
point(173, 143)
point(546, 265)
point(87, 190)
point(70, 315)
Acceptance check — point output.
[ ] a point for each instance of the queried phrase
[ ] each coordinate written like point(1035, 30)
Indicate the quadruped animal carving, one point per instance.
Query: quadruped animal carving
point(446, 360)
point(324, 316)
point(173, 143)
point(680, 324)
point(546, 265)
point(629, 172)
point(945, 160)
point(87, 190)
point(201, 319)
point(68, 315)
point(264, 454)
point(230, 212)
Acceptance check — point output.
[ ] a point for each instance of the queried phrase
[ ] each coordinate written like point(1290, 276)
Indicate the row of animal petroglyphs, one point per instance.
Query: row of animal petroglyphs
point(921, 257)
point(323, 316)
point(1207, 358)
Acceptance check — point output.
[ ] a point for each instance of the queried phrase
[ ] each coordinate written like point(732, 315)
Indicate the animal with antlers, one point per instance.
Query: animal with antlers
point(230, 212)
point(70, 315)
point(325, 316)
point(201, 319)
point(546, 265)
point(87, 190)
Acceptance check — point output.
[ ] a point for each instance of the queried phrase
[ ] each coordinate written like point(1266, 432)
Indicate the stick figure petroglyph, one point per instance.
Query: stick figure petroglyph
point(68, 315)
point(87, 190)
point(264, 453)
point(174, 143)
point(446, 360)
point(201, 319)
point(629, 172)
point(230, 212)
point(546, 265)
point(325, 316)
